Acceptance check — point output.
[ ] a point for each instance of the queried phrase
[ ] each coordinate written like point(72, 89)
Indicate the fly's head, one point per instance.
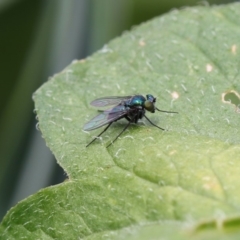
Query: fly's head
point(149, 104)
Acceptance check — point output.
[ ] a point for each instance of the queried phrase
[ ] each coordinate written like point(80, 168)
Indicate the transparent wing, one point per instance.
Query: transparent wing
point(105, 118)
point(106, 101)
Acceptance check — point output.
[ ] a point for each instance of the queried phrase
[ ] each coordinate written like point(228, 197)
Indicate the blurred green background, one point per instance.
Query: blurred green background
point(38, 39)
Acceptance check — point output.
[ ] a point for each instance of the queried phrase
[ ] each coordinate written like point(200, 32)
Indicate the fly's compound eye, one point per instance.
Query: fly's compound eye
point(148, 105)
point(151, 98)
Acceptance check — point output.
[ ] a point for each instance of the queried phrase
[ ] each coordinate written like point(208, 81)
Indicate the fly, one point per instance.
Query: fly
point(132, 108)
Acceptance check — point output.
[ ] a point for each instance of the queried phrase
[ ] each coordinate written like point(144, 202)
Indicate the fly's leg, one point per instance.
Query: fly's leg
point(120, 133)
point(135, 119)
point(129, 119)
point(105, 129)
point(154, 124)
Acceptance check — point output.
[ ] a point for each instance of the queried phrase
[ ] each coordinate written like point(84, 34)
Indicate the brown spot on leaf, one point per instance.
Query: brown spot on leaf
point(234, 49)
point(232, 97)
point(209, 67)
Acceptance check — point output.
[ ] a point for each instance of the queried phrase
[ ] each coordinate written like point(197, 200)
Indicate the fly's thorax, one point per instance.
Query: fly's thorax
point(136, 101)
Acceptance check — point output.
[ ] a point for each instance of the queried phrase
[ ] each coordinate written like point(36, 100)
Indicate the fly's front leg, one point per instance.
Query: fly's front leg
point(154, 123)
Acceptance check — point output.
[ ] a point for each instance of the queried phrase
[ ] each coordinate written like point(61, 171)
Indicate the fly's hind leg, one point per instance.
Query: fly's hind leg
point(124, 129)
point(120, 133)
point(105, 129)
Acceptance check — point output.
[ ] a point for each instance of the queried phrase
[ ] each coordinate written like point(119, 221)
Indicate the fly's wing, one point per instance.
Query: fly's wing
point(105, 118)
point(106, 101)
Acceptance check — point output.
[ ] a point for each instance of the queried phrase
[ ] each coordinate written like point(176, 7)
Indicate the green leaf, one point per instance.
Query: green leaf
point(175, 184)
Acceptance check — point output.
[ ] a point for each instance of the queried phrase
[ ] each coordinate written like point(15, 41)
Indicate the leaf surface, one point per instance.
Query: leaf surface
point(176, 184)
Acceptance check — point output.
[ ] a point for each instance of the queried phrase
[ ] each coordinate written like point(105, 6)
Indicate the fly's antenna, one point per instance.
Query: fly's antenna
point(164, 111)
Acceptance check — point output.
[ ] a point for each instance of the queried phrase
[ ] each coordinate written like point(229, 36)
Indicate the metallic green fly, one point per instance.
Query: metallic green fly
point(131, 108)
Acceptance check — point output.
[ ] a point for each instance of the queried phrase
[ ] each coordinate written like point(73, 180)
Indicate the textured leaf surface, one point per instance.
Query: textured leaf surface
point(176, 184)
